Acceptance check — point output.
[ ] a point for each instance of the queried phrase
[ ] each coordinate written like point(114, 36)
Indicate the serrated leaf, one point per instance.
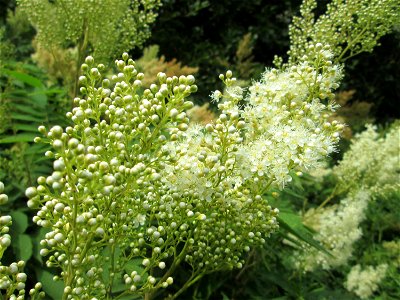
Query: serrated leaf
point(19, 221)
point(23, 247)
point(55, 289)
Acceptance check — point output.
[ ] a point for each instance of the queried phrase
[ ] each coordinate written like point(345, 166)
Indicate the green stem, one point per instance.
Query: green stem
point(83, 43)
point(351, 44)
point(193, 279)
point(112, 272)
point(330, 197)
point(175, 264)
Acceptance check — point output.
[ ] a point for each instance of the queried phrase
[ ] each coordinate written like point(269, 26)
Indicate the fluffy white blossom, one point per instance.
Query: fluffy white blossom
point(372, 162)
point(364, 282)
point(288, 126)
point(337, 229)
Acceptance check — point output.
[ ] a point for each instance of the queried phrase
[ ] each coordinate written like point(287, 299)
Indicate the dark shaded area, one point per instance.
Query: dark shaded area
point(5, 5)
point(375, 77)
point(206, 34)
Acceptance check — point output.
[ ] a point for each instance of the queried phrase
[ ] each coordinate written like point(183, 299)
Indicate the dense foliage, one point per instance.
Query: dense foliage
point(135, 191)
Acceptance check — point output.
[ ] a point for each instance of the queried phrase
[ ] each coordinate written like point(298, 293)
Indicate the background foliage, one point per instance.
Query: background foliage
point(242, 35)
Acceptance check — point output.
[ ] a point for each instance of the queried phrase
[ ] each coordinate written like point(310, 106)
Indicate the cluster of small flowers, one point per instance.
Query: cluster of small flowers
point(12, 277)
point(349, 27)
point(337, 228)
point(393, 248)
point(233, 213)
point(288, 120)
point(364, 282)
point(368, 169)
point(105, 191)
point(372, 162)
point(110, 26)
point(133, 180)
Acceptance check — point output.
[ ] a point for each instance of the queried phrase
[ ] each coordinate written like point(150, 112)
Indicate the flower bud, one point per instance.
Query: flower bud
point(125, 56)
point(3, 199)
point(31, 192)
point(89, 60)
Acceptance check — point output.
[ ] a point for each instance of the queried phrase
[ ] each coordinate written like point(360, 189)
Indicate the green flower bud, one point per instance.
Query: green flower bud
point(89, 60)
point(31, 192)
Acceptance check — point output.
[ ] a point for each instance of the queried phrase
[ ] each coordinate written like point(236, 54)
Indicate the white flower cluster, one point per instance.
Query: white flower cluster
point(131, 177)
point(288, 123)
point(372, 162)
point(364, 282)
point(369, 168)
point(233, 211)
point(393, 248)
point(337, 229)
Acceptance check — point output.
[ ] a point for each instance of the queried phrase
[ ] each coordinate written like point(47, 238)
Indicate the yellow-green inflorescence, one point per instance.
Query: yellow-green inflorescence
point(137, 190)
point(349, 27)
point(106, 27)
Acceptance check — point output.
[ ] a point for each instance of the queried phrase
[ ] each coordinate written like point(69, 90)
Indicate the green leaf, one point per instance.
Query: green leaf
point(23, 247)
point(288, 286)
point(25, 127)
point(297, 182)
point(134, 265)
point(292, 223)
point(39, 97)
point(107, 264)
point(224, 296)
point(23, 117)
point(28, 79)
point(18, 138)
point(130, 297)
point(31, 110)
point(118, 285)
point(37, 149)
point(328, 294)
point(40, 235)
point(294, 194)
point(19, 221)
point(55, 289)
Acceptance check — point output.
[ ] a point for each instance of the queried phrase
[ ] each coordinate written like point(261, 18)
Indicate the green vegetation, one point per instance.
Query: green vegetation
point(139, 187)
